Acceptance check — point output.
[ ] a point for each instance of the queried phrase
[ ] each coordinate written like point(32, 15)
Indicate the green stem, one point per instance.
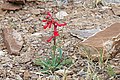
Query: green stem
point(55, 29)
point(54, 46)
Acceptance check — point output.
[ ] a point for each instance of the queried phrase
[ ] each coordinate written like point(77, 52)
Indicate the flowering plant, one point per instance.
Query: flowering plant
point(49, 22)
point(56, 61)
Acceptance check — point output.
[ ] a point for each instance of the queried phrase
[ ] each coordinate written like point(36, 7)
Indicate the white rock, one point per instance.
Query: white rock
point(18, 77)
point(106, 7)
point(61, 15)
point(36, 34)
point(54, 77)
point(39, 34)
point(40, 51)
point(67, 43)
point(2, 53)
point(62, 72)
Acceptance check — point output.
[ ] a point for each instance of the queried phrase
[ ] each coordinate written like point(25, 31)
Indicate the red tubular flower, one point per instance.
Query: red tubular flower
point(50, 39)
point(60, 24)
point(56, 33)
point(45, 26)
point(50, 24)
point(49, 14)
point(44, 20)
point(49, 21)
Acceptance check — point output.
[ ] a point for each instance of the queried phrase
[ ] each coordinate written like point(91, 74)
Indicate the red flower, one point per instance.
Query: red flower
point(44, 20)
point(60, 24)
point(56, 33)
point(49, 21)
point(48, 15)
point(50, 39)
point(49, 24)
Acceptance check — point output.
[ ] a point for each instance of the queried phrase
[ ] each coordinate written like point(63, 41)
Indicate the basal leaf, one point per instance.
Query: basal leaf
point(60, 52)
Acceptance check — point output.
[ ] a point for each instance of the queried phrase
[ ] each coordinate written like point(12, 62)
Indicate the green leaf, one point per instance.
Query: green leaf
point(60, 52)
point(58, 59)
point(48, 61)
point(38, 62)
point(45, 71)
point(54, 61)
point(67, 61)
point(45, 64)
point(52, 55)
point(110, 71)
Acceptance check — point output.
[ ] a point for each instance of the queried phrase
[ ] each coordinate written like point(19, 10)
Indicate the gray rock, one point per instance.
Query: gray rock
point(25, 57)
point(112, 1)
point(34, 76)
point(5, 59)
point(35, 11)
point(84, 34)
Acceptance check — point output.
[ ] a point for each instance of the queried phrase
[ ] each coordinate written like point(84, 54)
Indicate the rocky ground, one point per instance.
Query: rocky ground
point(28, 22)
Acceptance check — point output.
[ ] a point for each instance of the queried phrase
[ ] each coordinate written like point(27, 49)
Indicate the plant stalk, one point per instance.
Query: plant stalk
point(54, 46)
point(55, 29)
